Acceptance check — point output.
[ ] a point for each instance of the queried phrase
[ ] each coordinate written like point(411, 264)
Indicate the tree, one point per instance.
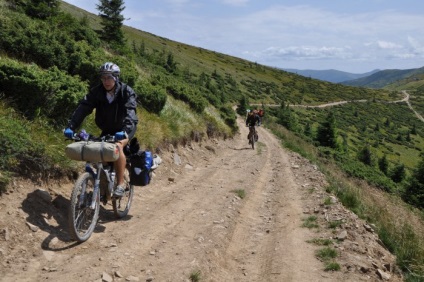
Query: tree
point(171, 65)
point(398, 173)
point(365, 155)
point(111, 20)
point(414, 130)
point(383, 164)
point(308, 130)
point(288, 119)
point(327, 132)
point(414, 192)
point(243, 106)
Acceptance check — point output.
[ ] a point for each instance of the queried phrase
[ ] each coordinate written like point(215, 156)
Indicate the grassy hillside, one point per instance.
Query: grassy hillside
point(335, 76)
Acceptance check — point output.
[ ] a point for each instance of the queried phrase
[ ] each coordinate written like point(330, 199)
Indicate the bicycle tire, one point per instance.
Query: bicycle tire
point(82, 219)
point(122, 205)
point(252, 140)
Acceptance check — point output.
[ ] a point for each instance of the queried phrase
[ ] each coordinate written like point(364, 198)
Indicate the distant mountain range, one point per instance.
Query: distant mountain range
point(390, 78)
point(387, 77)
point(331, 75)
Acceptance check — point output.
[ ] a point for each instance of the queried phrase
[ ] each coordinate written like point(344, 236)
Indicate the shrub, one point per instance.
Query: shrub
point(189, 95)
point(152, 98)
point(20, 152)
point(35, 92)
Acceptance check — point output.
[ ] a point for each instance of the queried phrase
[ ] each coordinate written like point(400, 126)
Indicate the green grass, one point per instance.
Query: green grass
point(332, 266)
point(321, 242)
point(326, 254)
point(241, 193)
point(195, 276)
point(334, 224)
point(310, 222)
point(327, 201)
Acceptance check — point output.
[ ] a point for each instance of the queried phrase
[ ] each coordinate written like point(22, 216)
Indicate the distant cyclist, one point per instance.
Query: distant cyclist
point(252, 120)
point(261, 114)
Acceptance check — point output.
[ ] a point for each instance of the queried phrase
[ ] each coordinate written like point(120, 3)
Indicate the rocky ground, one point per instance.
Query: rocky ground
point(215, 210)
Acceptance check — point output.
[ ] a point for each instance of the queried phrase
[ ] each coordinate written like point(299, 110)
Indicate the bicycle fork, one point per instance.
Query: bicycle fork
point(96, 189)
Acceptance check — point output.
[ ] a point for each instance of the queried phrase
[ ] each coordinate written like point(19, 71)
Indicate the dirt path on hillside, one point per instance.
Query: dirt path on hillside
point(190, 220)
point(332, 104)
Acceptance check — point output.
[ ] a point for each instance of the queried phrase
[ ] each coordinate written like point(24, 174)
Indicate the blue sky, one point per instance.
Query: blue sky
point(348, 35)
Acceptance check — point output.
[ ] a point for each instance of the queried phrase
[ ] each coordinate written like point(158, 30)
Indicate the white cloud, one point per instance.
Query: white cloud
point(235, 2)
point(388, 45)
point(177, 2)
point(306, 53)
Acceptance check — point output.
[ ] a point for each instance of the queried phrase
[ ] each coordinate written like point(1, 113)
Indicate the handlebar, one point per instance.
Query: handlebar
point(107, 138)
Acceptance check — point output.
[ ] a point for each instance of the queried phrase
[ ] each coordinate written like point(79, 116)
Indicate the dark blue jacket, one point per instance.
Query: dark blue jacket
point(120, 115)
point(252, 120)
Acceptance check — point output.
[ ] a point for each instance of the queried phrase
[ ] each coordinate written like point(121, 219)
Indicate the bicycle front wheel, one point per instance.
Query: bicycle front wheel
point(121, 206)
point(82, 218)
point(252, 140)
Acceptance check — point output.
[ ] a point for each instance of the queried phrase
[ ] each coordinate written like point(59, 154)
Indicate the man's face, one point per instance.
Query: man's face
point(108, 81)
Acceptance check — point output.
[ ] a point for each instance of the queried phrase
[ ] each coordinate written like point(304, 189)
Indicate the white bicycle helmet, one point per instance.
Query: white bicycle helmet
point(110, 68)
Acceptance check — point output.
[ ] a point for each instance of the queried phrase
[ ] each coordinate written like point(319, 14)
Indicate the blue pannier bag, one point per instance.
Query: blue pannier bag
point(141, 164)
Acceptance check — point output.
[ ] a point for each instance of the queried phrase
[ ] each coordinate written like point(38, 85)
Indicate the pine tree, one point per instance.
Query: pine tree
point(171, 65)
point(414, 192)
point(398, 173)
point(243, 106)
point(365, 155)
point(288, 119)
point(414, 130)
point(383, 164)
point(308, 130)
point(327, 132)
point(112, 19)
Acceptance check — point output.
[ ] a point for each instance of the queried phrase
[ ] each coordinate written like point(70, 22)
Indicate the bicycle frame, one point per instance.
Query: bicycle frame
point(96, 176)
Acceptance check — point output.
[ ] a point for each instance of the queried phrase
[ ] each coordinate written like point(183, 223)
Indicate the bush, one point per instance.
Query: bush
point(20, 152)
point(370, 174)
point(189, 95)
point(62, 42)
point(35, 92)
point(152, 98)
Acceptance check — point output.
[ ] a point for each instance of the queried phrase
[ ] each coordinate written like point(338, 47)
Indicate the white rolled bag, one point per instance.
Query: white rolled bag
point(91, 151)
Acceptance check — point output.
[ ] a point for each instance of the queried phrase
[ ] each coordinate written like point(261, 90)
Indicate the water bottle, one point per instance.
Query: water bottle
point(112, 176)
point(112, 180)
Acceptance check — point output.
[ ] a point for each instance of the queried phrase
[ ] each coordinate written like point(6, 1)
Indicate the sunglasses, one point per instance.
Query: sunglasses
point(106, 78)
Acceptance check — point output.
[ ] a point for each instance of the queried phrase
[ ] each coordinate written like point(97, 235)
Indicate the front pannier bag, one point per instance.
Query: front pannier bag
point(92, 151)
point(141, 164)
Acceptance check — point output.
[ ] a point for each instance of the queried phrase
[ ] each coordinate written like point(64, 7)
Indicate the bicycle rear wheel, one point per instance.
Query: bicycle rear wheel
point(122, 205)
point(82, 219)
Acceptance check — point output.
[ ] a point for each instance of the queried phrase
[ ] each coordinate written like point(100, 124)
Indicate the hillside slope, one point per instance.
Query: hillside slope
point(385, 77)
point(190, 221)
point(335, 76)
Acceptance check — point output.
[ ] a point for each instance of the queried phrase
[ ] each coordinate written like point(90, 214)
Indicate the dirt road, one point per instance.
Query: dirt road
point(191, 220)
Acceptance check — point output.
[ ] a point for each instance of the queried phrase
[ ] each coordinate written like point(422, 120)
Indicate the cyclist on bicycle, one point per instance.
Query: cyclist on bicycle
point(115, 104)
point(252, 120)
